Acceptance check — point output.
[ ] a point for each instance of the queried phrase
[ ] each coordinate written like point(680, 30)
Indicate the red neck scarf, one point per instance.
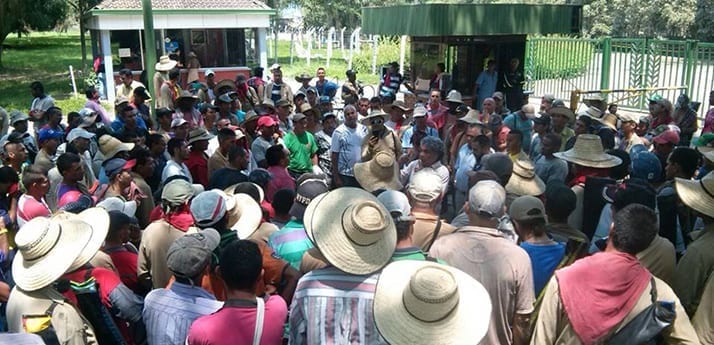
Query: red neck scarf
point(597, 292)
point(181, 219)
point(584, 172)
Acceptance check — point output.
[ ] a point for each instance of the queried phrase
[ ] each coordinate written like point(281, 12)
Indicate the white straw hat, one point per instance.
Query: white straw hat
point(165, 64)
point(352, 229)
point(588, 151)
point(379, 172)
point(698, 195)
point(422, 302)
point(524, 180)
point(49, 247)
point(244, 216)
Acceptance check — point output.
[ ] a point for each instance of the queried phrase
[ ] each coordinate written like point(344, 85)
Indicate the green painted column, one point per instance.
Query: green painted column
point(690, 61)
point(605, 68)
point(150, 50)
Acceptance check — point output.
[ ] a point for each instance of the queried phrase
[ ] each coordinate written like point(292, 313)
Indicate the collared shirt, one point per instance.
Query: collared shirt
point(169, 313)
point(260, 146)
point(627, 144)
point(551, 169)
point(486, 85)
point(465, 162)
point(501, 266)
point(514, 121)
point(217, 161)
point(405, 175)
point(409, 134)
point(424, 228)
point(334, 307)
point(565, 135)
point(438, 115)
point(348, 143)
point(291, 242)
point(301, 148)
point(155, 242)
point(173, 168)
point(413, 253)
point(127, 91)
point(197, 164)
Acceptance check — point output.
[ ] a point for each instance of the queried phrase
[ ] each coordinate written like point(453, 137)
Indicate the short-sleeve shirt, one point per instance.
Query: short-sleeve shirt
point(235, 323)
point(501, 266)
point(291, 242)
point(409, 136)
point(514, 121)
point(28, 208)
point(259, 147)
point(281, 179)
point(172, 168)
point(551, 169)
point(544, 259)
point(348, 143)
point(301, 148)
point(125, 260)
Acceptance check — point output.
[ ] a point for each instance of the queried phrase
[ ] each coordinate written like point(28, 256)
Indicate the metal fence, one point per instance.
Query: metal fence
point(562, 65)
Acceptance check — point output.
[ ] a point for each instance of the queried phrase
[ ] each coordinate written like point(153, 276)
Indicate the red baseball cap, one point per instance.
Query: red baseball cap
point(667, 137)
point(266, 121)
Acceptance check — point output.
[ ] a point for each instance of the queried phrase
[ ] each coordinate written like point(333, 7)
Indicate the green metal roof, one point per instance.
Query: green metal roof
point(471, 19)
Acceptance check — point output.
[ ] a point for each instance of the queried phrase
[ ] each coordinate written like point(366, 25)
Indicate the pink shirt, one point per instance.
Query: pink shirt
point(281, 180)
point(235, 324)
point(29, 208)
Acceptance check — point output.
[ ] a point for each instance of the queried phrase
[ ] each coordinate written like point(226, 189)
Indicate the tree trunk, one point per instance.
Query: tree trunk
point(83, 44)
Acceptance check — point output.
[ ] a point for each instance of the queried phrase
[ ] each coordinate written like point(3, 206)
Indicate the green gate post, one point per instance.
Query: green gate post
point(605, 68)
point(150, 50)
point(690, 60)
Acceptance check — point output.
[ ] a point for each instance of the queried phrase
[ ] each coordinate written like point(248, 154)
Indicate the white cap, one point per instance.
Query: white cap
point(78, 133)
point(419, 111)
point(487, 198)
point(425, 185)
point(177, 122)
point(209, 72)
point(396, 202)
point(116, 204)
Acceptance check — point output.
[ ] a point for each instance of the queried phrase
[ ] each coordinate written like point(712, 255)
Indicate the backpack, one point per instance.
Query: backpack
point(41, 325)
point(89, 303)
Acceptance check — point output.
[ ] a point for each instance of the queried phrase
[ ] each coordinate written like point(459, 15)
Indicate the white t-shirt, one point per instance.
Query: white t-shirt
point(348, 143)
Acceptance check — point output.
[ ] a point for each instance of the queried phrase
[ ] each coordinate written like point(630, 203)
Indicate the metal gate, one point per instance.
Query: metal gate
point(562, 65)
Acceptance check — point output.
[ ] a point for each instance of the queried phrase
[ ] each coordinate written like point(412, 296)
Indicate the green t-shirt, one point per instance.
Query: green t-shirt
point(301, 148)
point(413, 253)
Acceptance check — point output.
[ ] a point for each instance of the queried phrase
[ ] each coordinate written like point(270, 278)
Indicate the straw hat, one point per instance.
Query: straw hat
point(225, 83)
point(307, 110)
point(187, 96)
point(524, 180)
point(472, 117)
point(379, 172)
point(198, 134)
point(244, 214)
point(606, 119)
point(302, 77)
point(397, 104)
point(698, 195)
point(352, 230)
point(454, 96)
point(109, 146)
point(49, 247)
point(374, 114)
point(588, 151)
point(165, 64)
point(422, 302)
point(562, 110)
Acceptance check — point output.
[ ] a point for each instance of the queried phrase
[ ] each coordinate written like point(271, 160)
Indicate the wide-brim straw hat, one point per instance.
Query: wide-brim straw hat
point(373, 114)
point(303, 76)
point(562, 110)
point(198, 134)
point(706, 151)
point(606, 119)
point(187, 96)
point(109, 146)
point(165, 64)
point(225, 83)
point(524, 180)
point(472, 117)
point(352, 230)
point(244, 215)
point(422, 302)
point(307, 110)
point(397, 104)
point(588, 151)
point(49, 247)
point(381, 171)
point(697, 194)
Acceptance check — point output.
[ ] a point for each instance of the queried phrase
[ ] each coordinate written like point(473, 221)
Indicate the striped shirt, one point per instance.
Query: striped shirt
point(333, 307)
point(390, 84)
point(169, 313)
point(290, 242)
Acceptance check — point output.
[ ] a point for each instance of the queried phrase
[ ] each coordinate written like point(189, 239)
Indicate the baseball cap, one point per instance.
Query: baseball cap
point(298, 116)
point(177, 122)
point(306, 191)
point(209, 72)
point(543, 119)
point(116, 165)
point(526, 208)
point(646, 166)
point(549, 98)
point(17, 116)
point(206, 105)
point(328, 114)
point(628, 117)
point(266, 121)
point(351, 72)
point(324, 99)
point(487, 198)
point(208, 207)
point(225, 98)
point(419, 111)
point(396, 202)
point(655, 98)
point(49, 133)
point(311, 89)
point(177, 191)
point(425, 185)
point(79, 133)
point(497, 95)
point(282, 103)
point(632, 191)
point(669, 136)
point(189, 255)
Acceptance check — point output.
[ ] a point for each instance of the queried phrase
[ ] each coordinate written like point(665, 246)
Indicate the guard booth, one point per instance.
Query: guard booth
point(465, 36)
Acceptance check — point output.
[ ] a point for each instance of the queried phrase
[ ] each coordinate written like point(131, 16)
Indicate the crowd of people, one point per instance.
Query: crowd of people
point(242, 212)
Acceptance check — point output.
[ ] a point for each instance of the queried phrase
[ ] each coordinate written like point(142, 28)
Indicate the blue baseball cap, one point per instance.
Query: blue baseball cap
point(49, 133)
point(324, 99)
point(646, 166)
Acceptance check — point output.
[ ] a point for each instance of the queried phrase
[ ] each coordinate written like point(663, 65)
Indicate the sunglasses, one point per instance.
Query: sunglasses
point(377, 121)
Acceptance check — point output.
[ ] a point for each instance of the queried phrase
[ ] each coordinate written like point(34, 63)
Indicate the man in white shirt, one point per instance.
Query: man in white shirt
point(178, 149)
point(346, 148)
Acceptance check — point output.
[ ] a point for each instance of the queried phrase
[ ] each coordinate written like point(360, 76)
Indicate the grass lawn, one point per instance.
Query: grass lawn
point(43, 56)
point(46, 56)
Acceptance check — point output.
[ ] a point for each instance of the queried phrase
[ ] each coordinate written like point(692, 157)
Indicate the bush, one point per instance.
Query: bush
point(387, 51)
point(560, 59)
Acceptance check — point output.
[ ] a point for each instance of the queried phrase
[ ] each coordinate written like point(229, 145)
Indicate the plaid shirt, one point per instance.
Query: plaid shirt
point(333, 307)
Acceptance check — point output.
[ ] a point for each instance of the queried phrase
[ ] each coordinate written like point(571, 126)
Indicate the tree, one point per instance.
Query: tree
point(81, 11)
point(21, 16)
